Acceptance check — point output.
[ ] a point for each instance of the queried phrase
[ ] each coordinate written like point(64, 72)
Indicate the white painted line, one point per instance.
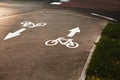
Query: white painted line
point(56, 3)
point(73, 32)
point(109, 18)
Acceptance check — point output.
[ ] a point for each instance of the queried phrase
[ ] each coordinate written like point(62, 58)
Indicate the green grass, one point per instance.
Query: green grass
point(105, 63)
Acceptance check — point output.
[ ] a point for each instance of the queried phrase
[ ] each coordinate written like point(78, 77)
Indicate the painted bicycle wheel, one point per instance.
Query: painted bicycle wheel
point(73, 45)
point(51, 42)
point(28, 24)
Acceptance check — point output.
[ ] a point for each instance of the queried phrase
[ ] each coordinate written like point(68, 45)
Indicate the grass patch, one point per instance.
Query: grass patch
point(105, 63)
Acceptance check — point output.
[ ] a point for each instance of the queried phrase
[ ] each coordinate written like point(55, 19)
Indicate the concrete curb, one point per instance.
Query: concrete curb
point(83, 74)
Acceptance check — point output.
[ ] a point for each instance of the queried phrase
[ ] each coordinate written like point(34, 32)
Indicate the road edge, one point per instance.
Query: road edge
point(83, 73)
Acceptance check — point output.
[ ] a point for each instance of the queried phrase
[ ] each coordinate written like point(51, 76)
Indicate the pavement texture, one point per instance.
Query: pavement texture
point(26, 57)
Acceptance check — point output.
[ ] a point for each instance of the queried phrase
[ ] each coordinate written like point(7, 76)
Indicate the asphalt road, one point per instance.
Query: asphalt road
point(108, 8)
point(27, 57)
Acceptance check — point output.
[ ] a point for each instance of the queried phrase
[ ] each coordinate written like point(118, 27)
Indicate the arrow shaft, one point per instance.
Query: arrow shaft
point(20, 30)
point(71, 34)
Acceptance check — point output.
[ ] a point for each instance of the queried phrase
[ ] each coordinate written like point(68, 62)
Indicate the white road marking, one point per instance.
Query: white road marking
point(64, 0)
point(56, 3)
point(59, 3)
point(109, 18)
point(14, 34)
point(26, 24)
point(73, 32)
point(67, 42)
point(30, 24)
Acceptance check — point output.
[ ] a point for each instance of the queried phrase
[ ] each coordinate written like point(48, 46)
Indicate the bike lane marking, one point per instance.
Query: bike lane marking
point(49, 50)
point(68, 42)
point(26, 24)
point(42, 12)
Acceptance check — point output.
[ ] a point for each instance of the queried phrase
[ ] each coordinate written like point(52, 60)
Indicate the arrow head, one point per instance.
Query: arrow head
point(73, 32)
point(77, 29)
point(11, 35)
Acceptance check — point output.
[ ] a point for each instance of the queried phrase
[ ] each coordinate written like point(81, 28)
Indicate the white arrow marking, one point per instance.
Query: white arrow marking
point(73, 31)
point(14, 34)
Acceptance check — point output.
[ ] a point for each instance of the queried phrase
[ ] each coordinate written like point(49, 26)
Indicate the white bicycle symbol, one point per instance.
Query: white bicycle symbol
point(67, 42)
point(30, 24)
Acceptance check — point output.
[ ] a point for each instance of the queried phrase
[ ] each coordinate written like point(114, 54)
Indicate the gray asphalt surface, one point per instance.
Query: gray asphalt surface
point(26, 57)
